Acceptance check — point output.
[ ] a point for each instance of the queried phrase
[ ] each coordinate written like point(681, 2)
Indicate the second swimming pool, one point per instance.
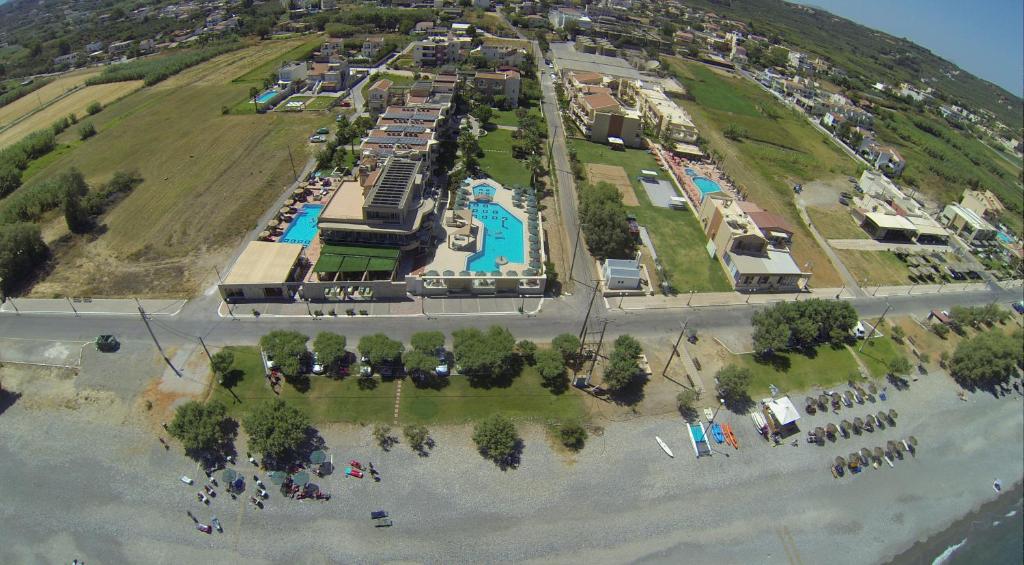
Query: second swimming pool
point(706, 185)
point(503, 237)
point(303, 227)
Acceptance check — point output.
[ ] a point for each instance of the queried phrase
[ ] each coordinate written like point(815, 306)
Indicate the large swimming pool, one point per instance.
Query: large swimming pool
point(706, 185)
point(266, 96)
point(303, 227)
point(503, 234)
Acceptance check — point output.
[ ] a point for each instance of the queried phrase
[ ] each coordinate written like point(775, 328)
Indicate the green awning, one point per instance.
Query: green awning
point(388, 252)
point(379, 264)
point(278, 477)
point(354, 264)
point(328, 264)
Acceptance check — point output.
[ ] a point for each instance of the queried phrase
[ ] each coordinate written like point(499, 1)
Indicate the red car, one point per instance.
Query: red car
point(352, 472)
point(355, 464)
point(204, 528)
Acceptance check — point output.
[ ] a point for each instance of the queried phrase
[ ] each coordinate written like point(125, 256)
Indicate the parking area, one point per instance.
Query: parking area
point(453, 306)
point(42, 352)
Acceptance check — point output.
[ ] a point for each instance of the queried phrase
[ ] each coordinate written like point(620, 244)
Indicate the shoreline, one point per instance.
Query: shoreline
point(954, 540)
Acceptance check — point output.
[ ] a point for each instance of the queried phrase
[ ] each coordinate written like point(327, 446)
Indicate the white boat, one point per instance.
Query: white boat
point(664, 446)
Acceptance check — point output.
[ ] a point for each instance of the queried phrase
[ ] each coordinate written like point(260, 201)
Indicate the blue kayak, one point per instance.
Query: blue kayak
point(716, 432)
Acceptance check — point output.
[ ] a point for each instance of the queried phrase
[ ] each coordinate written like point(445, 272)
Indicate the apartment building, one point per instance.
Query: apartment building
point(659, 111)
point(502, 52)
point(755, 254)
point(499, 83)
point(435, 52)
point(597, 113)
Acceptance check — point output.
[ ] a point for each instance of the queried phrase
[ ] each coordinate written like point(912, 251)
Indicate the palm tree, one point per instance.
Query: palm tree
point(536, 167)
point(253, 93)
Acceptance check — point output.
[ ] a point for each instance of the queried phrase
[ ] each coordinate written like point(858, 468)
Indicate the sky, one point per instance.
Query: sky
point(984, 37)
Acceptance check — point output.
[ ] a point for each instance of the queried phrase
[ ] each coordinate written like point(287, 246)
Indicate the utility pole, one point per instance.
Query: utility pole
point(72, 306)
point(294, 173)
point(675, 348)
point(600, 341)
point(145, 320)
point(593, 295)
point(203, 343)
point(575, 247)
point(872, 332)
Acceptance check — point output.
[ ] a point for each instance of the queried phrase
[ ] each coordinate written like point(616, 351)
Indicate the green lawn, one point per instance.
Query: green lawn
point(327, 400)
point(508, 117)
point(879, 352)
point(835, 222)
point(875, 267)
point(796, 372)
point(300, 52)
point(677, 235)
point(321, 103)
point(458, 402)
point(778, 149)
point(498, 161)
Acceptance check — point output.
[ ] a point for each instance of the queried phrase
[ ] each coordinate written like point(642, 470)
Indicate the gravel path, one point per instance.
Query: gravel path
point(78, 483)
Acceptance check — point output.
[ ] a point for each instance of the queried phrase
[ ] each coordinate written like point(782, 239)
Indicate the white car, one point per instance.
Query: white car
point(268, 360)
point(318, 367)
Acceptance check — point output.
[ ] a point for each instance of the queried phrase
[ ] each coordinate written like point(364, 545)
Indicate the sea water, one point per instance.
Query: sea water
point(993, 535)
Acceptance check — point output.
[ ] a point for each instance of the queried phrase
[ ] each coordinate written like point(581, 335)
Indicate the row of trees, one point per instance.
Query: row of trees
point(156, 69)
point(987, 359)
point(275, 429)
point(802, 325)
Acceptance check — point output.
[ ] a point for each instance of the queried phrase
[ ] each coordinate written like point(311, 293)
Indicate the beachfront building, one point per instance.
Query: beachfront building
point(756, 259)
point(263, 271)
point(967, 224)
point(499, 83)
point(983, 203)
point(408, 141)
point(597, 113)
point(659, 112)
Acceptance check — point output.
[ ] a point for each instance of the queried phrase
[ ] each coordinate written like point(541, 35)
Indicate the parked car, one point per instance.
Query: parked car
point(107, 343)
point(323, 131)
point(1018, 306)
point(268, 360)
point(318, 367)
point(345, 104)
point(317, 138)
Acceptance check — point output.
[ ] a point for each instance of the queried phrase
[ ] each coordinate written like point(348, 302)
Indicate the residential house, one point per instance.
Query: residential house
point(499, 83)
point(559, 17)
point(597, 113)
point(435, 52)
point(328, 5)
point(380, 95)
point(422, 28)
point(502, 52)
point(372, 47)
point(884, 157)
point(147, 46)
point(983, 203)
point(120, 47)
point(94, 47)
point(295, 71)
point(756, 259)
point(329, 77)
point(69, 60)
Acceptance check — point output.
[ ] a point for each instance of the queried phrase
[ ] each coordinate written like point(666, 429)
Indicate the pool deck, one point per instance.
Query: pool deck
point(677, 168)
point(312, 193)
point(446, 258)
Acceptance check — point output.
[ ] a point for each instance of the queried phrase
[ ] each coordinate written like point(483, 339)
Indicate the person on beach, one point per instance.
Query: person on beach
point(997, 485)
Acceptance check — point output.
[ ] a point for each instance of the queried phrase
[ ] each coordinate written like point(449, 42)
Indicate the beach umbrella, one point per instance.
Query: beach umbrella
point(858, 424)
point(530, 273)
point(848, 395)
point(810, 404)
point(300, 478)
point(480, 274)
point(273, 223)
point(893, 414)
point(448, 273)
point(869, 422)
point(872, 388)
point(228, 476)
point(822, 402)
point(264, 234)
point(495, 273)
point(534, 246)
point(535, 264)
point(840, 462)
point(865, 454)
point(512, 274)
point(464, 273)
point(431, 273)
point(819, 432)
point(278, 477)
point(846, 426)
point(854, 459)
point(883, 417)
point(879, 453)
point(534, 238)
point(831, 429)
point(912, 441)
point(317, 457)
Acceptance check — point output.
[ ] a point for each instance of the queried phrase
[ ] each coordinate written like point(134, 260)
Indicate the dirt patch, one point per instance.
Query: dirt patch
point(615, 175)
point(35, 387)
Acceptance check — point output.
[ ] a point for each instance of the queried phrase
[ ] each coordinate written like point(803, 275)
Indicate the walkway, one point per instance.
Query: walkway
point(874, 245)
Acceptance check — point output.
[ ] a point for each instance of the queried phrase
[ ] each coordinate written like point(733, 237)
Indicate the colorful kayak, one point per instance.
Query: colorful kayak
point(716, 432)
point(730, 438)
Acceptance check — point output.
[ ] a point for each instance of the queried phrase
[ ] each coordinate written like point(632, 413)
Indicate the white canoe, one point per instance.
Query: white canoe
point(664, 446)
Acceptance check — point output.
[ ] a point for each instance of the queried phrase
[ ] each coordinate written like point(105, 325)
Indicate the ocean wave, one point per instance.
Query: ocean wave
point(945, 555)
point(1011, 514)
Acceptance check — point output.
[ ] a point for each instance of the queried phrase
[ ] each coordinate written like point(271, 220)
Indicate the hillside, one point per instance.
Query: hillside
point(867, 54)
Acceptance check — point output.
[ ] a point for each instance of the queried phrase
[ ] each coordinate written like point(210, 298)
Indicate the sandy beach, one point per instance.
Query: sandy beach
point(106, 492)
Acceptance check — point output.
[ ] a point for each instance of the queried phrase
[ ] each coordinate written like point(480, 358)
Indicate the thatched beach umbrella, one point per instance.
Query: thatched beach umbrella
point(848, 396)
point(264, 235)
point(822, 402)
point(858, 424)
point(865, 454)
point(879, 453)
point(448, 273)
point(272, 224)
point(846, 427)
point(819, 433)
point(811, 406)
point(893, 414)
point(289, 203)
point(840, 462)
point(912, 441)
point(854, 460)
point(872, 388)
point(832, 430)
point(284, 211)
point(278, 477)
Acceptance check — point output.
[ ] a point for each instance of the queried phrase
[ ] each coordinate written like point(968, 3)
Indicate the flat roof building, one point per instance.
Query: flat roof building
point(262, 271)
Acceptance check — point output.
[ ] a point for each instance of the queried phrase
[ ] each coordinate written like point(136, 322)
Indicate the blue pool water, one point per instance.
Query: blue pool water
point(690, 172)
point(266, 96)
point(706, 185)
point(303, 227)
point(1004, 237)
point(503, 236)
point(484, 190)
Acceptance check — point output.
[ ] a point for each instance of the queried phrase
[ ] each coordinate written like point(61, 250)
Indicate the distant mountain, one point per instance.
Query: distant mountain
point(868, 54)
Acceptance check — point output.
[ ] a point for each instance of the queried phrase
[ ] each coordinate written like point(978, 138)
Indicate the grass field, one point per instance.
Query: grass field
point(879, 353)
point(508, 117)
point(498, 161)
point(458, 402)
point(321, 103)
point(44, 95)
point(676, 234)
point(326, 400)
point(74, 103)
point(294, 50)
point(779, 148)
point(796, 372)
point(835, 222)
point(876, 267)
point(208, 177)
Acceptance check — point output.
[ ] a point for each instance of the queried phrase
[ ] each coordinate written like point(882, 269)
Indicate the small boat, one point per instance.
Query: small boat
point(709, 415)
point(716, 432)
point(730, 438)
point(664, 446)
